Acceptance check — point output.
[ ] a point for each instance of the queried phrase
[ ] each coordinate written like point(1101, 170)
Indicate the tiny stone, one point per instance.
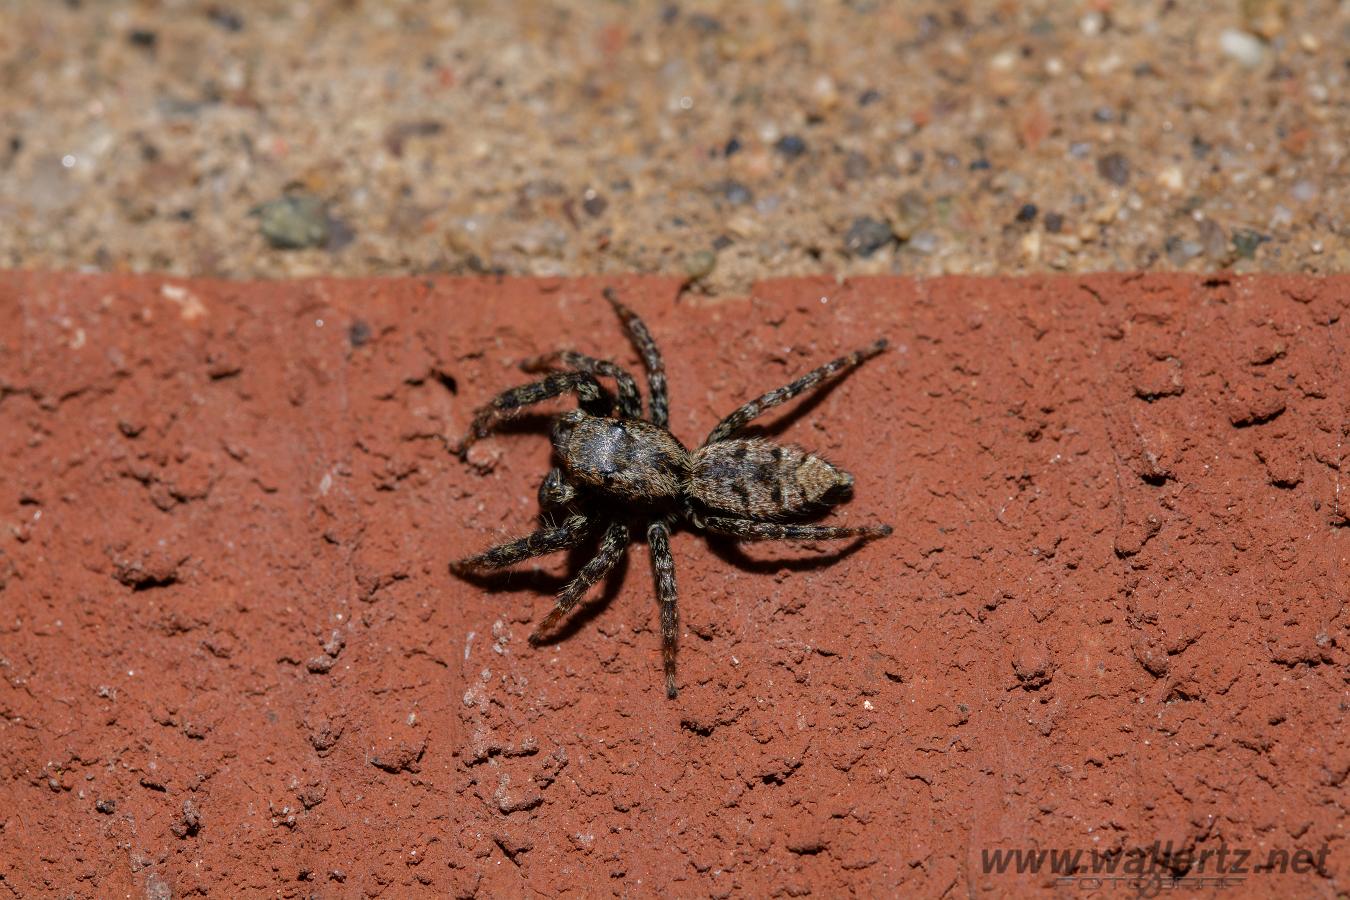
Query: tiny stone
point(226, 18)
point(737, 193)
point(1115, 168)
point(913, 211)
point(868, 97)
point(980, 165)
point(1265, 17)
point(1213, 239)
point(143, 38)
point(321, 664)
point(704, 23)
point(924, 242)
point(866, 236)
point(790, 146)
point(107, 807)
point(1180, 251)
point(358, 335)
point(1245, 242)
point(594, 203)
point(1304, 191)
point(856, 166)
point(733, 147)
point(293, 222)
point(1246, 48)
point(700, 264)
point(1027, 213)
point(1054, 222)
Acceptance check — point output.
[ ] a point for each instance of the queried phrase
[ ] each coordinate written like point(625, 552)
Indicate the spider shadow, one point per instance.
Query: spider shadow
point(513, 580)
point(731, 551)
point(775, 427)
point(586, 611)
point(526, 423)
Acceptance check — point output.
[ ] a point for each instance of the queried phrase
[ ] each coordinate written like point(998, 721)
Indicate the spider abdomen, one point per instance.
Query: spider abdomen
point(627, 458)
point(755, 478)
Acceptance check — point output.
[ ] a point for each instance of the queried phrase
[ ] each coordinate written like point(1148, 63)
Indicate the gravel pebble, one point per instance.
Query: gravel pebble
point(1246, 240)
point(790, 146)
point(1115, 168)
point(1246, 48)
point(293, 222)
point(700, 264)
point(737, 193)
point(866, 236)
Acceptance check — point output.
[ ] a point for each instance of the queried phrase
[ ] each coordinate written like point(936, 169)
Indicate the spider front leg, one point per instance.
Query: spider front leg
point(657, 403)
point(743, 416)
point(663, 569)
point(611, 550)
point(583, 384)
point(546, 540)
point(630, 401)
point(753, 530)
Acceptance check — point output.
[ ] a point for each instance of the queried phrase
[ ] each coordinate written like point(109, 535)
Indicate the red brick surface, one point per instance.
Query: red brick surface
point(234, 662)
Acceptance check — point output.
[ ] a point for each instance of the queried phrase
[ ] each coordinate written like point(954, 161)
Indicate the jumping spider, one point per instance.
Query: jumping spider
point(621, 471)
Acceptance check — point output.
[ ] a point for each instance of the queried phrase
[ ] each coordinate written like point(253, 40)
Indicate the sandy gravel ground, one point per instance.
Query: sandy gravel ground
point(720, 142)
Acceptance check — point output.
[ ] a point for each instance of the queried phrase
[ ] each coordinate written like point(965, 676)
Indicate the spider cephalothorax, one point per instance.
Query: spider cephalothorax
point(620, 471)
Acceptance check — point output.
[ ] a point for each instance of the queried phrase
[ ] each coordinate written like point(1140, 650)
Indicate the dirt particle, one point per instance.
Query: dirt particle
point(1246, 241)
point(790, 146)
point(736, 194)
point(512, 801)
point(325, 736)
point(806, 842)
point(512, 845)
point(1033, 668)
point(358, 334)
point(1152, 657)
point(1115, 168)
point(189, 823)
point(400, 755)
point(225, 18)
point(157, 887)
point(594, 203)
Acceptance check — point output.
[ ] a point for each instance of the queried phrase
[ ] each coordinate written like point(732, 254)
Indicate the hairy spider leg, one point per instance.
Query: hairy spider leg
point(583, 384)
point(630, 401)
point(747, 413)
point(546, 540)
point(663, 570)
point(658, 405)
point(611, 550)
point(753, 530)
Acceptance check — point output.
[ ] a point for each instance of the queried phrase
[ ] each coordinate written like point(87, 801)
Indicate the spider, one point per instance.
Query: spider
point(620, 471)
